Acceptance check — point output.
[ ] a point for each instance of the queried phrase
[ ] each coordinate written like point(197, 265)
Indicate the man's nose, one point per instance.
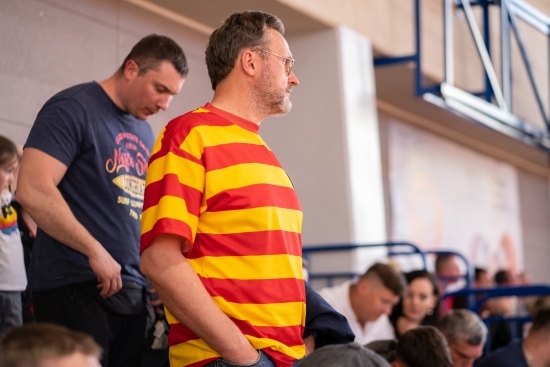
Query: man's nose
point(164, 102)
point(292, 79)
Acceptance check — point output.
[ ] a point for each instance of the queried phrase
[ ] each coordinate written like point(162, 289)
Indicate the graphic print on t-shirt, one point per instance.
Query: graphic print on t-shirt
point(8, 220)
point(129, 163)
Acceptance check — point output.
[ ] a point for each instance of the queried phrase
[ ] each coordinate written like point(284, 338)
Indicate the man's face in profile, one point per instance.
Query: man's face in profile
point(376, 300)
point(464, 354)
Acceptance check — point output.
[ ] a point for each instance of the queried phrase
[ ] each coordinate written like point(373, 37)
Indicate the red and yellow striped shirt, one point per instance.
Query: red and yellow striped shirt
point(213, 180)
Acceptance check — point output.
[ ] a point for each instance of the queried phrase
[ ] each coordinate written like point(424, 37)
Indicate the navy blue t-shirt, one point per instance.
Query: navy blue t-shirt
point(510, 355)
point(106, 151)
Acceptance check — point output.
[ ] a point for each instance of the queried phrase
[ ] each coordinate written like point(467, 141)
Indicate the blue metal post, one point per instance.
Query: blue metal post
point(487, 37)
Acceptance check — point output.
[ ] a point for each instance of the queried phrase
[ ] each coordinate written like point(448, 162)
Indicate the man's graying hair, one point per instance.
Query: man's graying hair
point(463, 324)
point(239, 31)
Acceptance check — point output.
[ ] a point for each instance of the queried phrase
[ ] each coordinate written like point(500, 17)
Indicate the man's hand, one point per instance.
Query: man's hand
point(310, 344)
point(107, 271)
point(156, 302)
point(184, 295)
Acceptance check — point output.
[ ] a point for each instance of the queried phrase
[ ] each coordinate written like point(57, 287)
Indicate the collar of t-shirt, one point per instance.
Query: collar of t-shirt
point(239, 121)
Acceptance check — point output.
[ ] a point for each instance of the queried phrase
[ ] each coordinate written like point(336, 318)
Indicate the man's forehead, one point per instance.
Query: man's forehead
point(385, 293)
point(277, 40)
point(166, 75)
point(464, 349)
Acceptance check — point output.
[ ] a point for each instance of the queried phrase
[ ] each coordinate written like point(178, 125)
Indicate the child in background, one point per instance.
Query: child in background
point(13, 279)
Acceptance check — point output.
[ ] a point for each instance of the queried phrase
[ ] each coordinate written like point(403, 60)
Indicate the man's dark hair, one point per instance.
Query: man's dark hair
point(30, 344)
point(423, 346)
point(388, 276)
point(154, 49)
point(479, 272)
point(541, 321)
point(503, 277)
point(442, 260)
point(239, 31)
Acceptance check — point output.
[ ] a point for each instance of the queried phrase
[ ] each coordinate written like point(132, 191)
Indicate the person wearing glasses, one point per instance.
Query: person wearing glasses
point(221, 221)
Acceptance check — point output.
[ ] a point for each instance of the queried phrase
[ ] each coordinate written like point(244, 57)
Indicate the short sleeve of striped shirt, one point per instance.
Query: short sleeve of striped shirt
point(175, 181)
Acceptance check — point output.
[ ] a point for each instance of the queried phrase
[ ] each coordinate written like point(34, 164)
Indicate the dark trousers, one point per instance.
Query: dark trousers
point(77, 307)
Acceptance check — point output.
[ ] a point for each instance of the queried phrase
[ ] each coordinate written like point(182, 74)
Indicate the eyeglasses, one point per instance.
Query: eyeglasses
point(287, 61)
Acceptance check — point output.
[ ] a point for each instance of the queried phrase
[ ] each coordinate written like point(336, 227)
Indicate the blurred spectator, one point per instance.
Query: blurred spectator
point(13, 279)
point(525, 304)
point(500, 331)
point(419, 304)
point(422, 347)
point(504, 277)
point(482, 278)
point(448, 274)
point(48, 345)
point(387, 349)
point(367, 302)
point(446, 267)
point(344, 355)
point(532, 352)
point(466, 335)
point(27, 229)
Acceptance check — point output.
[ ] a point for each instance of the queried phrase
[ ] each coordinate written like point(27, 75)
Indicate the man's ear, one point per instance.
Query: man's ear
point(249, 62)
point(131, 69)
point(364, 285)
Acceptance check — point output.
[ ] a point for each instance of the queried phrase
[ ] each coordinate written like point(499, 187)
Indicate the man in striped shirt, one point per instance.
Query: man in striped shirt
point(221, 225)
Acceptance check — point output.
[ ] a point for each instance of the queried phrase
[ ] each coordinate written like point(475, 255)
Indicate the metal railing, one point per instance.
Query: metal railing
point(478, 105)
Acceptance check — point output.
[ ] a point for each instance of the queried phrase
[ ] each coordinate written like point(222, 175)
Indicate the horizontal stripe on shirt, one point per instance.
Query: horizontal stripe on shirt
point(254, 290)
point(216, 135)
point(249, 243)
point(188, 172)
point(171, 207)
point(242, 175)
point(248, 267)
point(250, 220)
point(254, 196)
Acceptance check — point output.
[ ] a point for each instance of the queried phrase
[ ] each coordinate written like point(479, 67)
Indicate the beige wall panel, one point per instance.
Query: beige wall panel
point(100, 11)
point(15, 131)
point(535, 217)
point(46, 48)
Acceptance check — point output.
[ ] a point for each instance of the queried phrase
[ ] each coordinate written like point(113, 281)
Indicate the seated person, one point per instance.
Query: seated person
point(534, 351)
point(449, 278)
point(466, 335)
point(48, 345)
point(368, 301)
point(424, 346)
point(344, 355)
point(419, 304)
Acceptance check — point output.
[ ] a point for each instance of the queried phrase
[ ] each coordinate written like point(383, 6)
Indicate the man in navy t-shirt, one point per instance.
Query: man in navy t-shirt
point(534, 351)
point(81, 179)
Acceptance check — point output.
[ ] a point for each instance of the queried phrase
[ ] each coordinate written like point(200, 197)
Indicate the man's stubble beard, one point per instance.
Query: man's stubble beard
point(270, 102)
